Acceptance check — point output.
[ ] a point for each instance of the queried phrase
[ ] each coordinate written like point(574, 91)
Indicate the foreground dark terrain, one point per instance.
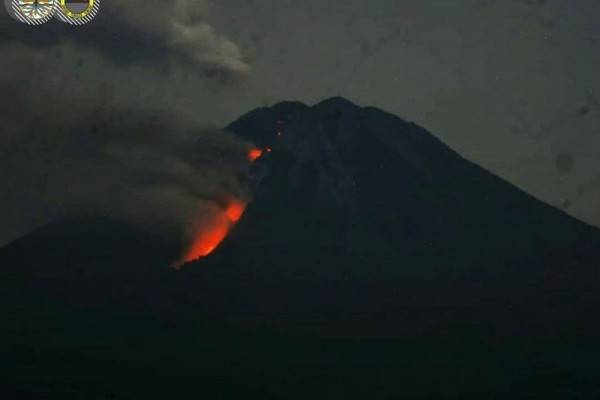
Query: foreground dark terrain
point(374, 262)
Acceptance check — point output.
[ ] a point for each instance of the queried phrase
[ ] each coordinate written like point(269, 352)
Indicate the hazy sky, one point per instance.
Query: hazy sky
point(511, 84)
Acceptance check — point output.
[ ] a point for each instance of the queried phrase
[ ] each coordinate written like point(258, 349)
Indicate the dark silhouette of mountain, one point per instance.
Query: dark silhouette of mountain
point(373, 262)
point(361, 215)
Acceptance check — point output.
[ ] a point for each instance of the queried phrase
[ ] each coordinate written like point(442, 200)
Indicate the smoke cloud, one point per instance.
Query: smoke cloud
point(182, 28)
point(109, 120)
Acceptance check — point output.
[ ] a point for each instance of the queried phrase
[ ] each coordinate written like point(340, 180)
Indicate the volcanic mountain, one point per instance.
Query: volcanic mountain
point(360, 215)
point(374, 261)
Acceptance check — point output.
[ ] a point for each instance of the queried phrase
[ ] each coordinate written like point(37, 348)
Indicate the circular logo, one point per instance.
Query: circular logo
point(31, 12)
point(77, 12)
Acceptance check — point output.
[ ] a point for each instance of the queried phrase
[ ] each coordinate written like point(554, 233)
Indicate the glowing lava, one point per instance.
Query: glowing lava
point(211, 233)
point(254, 154)
point(208, 238)
point(235, 210)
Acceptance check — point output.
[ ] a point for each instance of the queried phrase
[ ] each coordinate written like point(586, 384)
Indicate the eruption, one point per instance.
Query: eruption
point(209, 234)
point(254, 154)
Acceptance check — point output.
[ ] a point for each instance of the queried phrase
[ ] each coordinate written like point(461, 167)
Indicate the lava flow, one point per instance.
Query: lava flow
point(211, 233)
point(254, 154)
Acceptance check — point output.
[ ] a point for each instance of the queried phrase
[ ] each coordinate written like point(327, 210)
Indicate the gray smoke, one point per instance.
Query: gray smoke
point(110, 120)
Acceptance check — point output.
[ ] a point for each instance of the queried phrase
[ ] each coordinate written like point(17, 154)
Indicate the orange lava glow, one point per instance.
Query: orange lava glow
point(208, 239)
point(254, 154)
point(210, 234)
point(235, 210)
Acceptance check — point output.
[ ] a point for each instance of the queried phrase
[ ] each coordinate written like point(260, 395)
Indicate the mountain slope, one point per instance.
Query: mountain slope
point(358, 212)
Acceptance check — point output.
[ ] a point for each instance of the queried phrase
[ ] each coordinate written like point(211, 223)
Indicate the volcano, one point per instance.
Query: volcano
point(360, 215)
point(373, 261)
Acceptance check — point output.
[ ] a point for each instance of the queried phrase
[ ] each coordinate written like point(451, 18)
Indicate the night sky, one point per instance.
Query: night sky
point(512, 85)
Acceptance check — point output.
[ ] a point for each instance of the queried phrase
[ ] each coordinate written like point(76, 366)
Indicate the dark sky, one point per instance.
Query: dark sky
point(512, 85)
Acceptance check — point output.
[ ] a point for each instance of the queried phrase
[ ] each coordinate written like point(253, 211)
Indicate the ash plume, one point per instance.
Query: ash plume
point(152, 170)
point(91, 127)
